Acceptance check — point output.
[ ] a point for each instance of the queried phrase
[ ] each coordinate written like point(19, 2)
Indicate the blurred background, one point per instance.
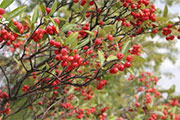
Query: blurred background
point(170, 70)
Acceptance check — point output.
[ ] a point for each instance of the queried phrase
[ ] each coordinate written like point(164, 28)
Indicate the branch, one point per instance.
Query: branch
point(8, 83)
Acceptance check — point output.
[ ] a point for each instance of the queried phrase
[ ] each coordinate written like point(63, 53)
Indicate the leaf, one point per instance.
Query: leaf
point(104, 45)
point(111, 57)
point(102, 33)
point(112, 117)
point(55, 24)
point(165, 13)
point(152, 35)
point(172, 89)
point(110, 29)
point(5, 3)
point(67, 27)
point(131, 70)
point(83, 43)
point(143, 6)
point(90, 33)
point(126, 47)
point(117, 47)
point(47, 66)
point(42, 8)
point(162, 19)
point(138, 61)
point(101, 57)
point(72, 38)
point(18, 62)
point(159, 113)
point(147, 43)
point(35, 15)
point(15, 12)
point(13, 27)
point(54, 7)
point(60, 40)
point(139, 117)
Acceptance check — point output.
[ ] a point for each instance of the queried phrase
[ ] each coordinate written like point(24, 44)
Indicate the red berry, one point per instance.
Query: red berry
point(137, 104)
point(170, 25)
point(114, 70)
point(121, 67)
point(101, 23)
point(2, 11)
point(172, 37)
point(83, 2)
point(57, 20)
point(48, 10)
point(51, 42)
point(119, 55)
point(133, 6)
point(98, 41)
point(64, 51)
point(178, 37)
point(91, 3)
point(129, 58)
point(110, 37)
point(125, 4)
point(127, 64)
point(76, 1)
point(179, 30)
point(128, 24)
point(155, 31)
point(70, 58)
point(40, 102)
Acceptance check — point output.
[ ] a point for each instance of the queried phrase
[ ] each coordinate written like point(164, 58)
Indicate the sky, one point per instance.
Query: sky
point(167, 66)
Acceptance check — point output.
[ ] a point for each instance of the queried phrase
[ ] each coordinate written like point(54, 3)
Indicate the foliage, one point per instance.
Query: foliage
point(85, 59)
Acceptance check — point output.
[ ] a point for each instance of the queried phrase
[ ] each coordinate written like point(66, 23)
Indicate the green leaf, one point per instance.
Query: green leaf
point(143, 6)
point(15, 12)
point(35, 15)
point(138, 61)
point(102, 33)
point(147, 43)
point(139, 117)
point(42, 8)
point(165, 13)
point(110, 29)
point(72, 38)
point(54, 7)
point(111, 57)
point(83, 43)
point(13, 27)
point(162, 19)
point(112, 117)
point(101, 57)
point(66, 27)
point(104, 45)
point(126, 47)
point(5, 3)
point(172, 89)
point(47, 66)
point(59, 39)
point(117, 47)
point(55, 24)
point(131, 70)
point(159, 113)
point(152, 35)
point(90, 33)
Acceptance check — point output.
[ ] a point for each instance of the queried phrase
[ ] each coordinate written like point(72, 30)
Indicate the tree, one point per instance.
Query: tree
point(70, 60)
